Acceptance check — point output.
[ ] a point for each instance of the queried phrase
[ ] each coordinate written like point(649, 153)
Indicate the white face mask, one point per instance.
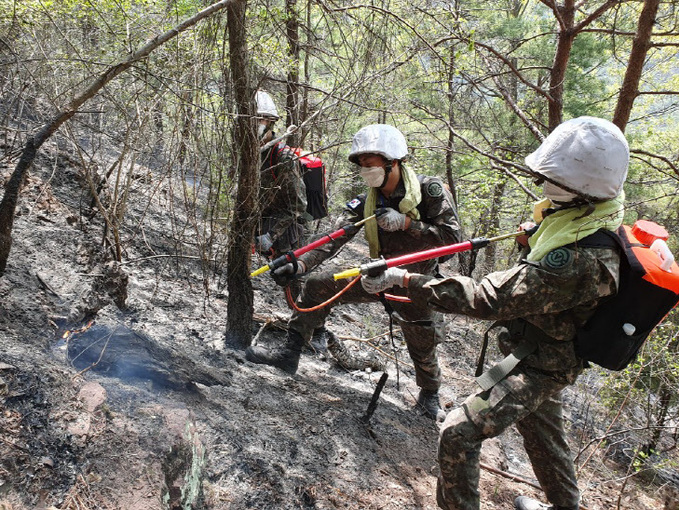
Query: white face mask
point(556, 194)
point(261, 129)
point(373, 176)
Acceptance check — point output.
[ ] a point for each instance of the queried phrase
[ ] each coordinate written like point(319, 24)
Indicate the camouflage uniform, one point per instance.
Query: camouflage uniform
point(282, 198)
point(540, 302)
point(422, 329)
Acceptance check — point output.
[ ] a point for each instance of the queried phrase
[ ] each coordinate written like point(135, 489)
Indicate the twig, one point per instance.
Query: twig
point(11, 443)
point(101, 355)
point(46, 286)
point(383, 353)
point(261, 330)
point(161, 256)
point(610, 425)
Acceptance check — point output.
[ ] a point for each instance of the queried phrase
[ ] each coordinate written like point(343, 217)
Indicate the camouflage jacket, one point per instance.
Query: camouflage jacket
point(438, 225)
point(556, 294)
point(282, 194)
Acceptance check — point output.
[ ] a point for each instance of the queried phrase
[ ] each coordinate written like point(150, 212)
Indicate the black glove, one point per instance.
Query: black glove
point(350, 229)
point(285, 274)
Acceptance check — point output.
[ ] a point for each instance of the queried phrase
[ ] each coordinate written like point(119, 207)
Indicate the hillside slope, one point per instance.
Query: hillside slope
point(116, 390)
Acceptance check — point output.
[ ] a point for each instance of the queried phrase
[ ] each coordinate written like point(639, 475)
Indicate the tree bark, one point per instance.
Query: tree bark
point(630, 84)
point(557, 75)
point(34, 142)
point(568, 31)
point(240, 300)
point(292, 105)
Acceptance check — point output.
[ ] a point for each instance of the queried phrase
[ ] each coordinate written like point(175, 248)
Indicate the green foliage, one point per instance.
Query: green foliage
point(649, 386)
point(586, 86)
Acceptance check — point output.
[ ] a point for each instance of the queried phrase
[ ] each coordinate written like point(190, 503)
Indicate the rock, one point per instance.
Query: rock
point(92, 395)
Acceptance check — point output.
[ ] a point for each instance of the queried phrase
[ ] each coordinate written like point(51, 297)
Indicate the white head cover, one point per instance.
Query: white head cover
point(586, 155)
point(265, 106)
point(380, 139)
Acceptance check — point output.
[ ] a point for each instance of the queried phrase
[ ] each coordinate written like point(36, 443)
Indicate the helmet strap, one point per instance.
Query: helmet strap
point(575, 203)
point(387, 170)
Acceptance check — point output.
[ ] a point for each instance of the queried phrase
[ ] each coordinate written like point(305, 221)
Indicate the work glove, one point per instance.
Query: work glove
point(286, 274)
point(390, 220)
point(529, 228)
point(392, 277)
point(263, 244)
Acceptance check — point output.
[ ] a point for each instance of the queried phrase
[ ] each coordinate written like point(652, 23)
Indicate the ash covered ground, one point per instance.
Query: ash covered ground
point(117, 392)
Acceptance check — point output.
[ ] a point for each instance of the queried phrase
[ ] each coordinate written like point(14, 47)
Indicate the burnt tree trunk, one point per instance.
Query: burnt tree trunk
point(240, 301)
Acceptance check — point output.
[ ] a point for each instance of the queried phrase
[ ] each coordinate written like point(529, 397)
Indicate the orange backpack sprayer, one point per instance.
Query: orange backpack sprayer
point(648, 291)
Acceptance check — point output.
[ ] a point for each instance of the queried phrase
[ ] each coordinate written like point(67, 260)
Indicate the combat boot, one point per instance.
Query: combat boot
point(347, 360)
point(526, 503)
point(319, 342)
point(285, 357)
point(430, 406)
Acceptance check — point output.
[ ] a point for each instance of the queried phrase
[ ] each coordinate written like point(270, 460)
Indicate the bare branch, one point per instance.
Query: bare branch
point(595, 15)
point(515, 178)
point(515, 108)
point(658, 93)
point(657, 156)
point(33, 144)
point(516, 72)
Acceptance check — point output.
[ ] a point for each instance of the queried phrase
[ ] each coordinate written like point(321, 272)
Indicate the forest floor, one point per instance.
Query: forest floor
point(146, 409)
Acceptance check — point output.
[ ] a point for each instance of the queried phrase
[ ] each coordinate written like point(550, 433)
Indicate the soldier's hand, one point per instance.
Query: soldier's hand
point(350, 229)
point(392, 277)
point(284, 275)
point(528, 227)
point(390, 220)
point(263, 244)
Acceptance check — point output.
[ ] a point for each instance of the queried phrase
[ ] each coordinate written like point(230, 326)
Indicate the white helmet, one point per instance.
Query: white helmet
point(587, 156)
point(265, 106)
point(379, 139)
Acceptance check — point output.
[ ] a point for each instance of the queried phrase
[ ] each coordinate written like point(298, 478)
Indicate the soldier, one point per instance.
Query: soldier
point(282, 194)
point(540, 303)
point(415, 212)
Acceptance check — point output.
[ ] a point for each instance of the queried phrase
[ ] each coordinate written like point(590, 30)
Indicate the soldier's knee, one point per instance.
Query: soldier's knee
point(458, 433)
point(315, 283)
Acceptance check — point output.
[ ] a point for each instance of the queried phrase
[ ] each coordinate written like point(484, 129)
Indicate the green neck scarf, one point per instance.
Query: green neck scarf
point(407, 205)
point(568, 225)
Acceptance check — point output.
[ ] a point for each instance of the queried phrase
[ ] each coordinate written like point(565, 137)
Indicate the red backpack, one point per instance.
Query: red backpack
point(313, 173)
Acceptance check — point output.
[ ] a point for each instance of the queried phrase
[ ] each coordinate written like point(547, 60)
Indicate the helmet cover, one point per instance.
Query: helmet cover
point(586, 155)
point(265, 106)
point(381, 139)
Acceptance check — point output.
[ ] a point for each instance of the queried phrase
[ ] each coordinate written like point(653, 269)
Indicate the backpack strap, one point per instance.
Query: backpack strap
point(602, 238)
point(517, 328)
point(500, 370)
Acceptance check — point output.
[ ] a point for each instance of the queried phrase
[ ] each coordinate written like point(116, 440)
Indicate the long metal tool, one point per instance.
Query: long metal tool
point(284, 259)
point(375, 267)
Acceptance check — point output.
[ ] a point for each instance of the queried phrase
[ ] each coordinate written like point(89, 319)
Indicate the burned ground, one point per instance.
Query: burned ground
point(147, 409)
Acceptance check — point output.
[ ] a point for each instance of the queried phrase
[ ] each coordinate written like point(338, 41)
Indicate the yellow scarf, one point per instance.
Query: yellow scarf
point(568, 225)
point(407, 205)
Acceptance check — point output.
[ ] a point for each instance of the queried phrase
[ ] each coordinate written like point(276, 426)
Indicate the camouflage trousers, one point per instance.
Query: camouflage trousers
point(529, 398)
point(422, 328)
